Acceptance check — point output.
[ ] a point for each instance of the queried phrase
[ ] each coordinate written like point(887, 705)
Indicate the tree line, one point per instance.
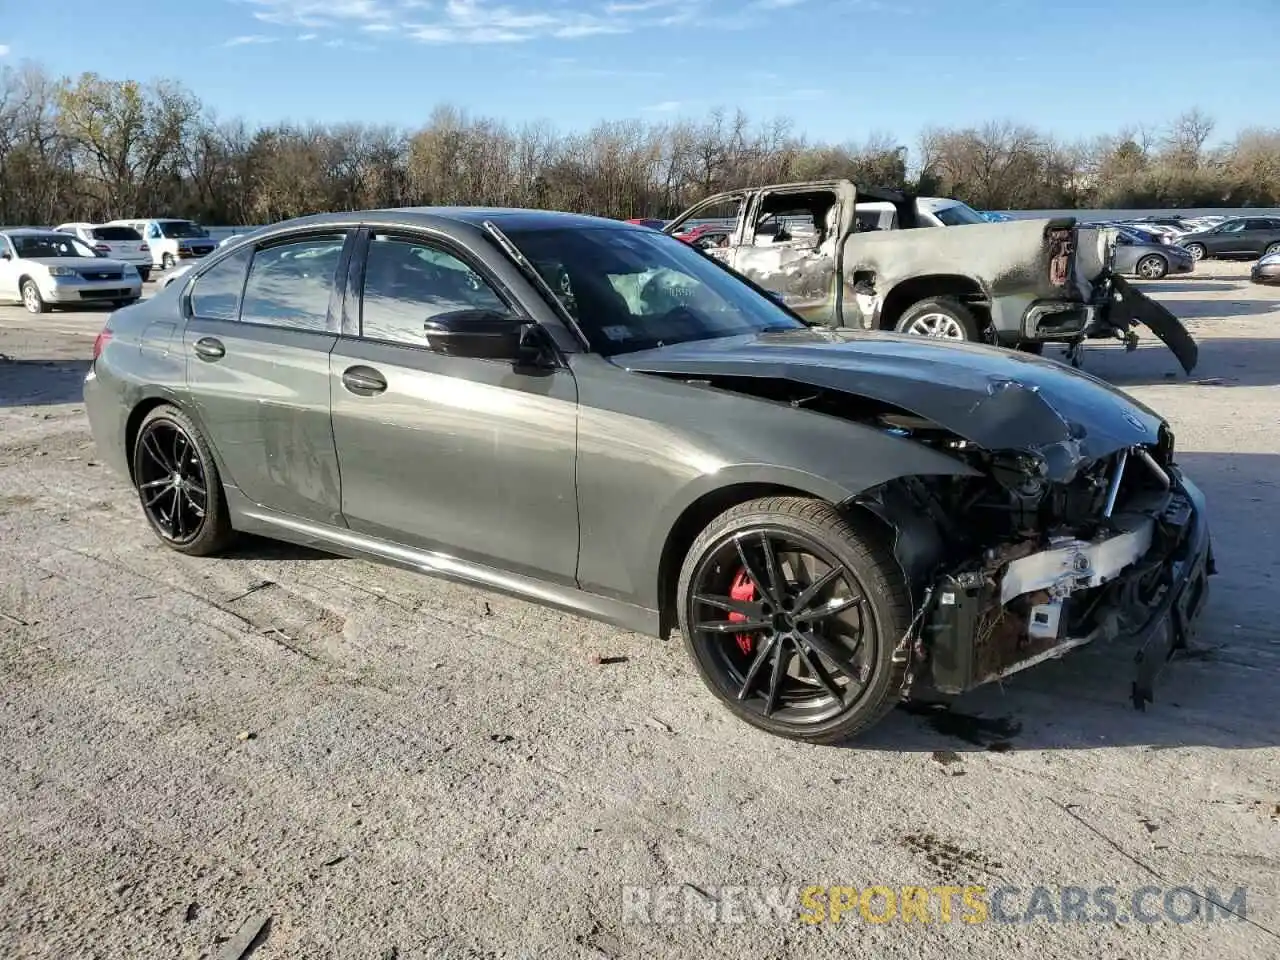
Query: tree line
point(93, 148)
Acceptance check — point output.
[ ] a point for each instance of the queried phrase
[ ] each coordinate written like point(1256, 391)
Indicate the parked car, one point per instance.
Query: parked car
point(848, 255)
point(1149, 258)
point(1239, 237)
point(1267, 269)
point(705, 236)
point(597, 418)
point(42, 269)
point(118, 243)
point(650, 222)
point(171, 240)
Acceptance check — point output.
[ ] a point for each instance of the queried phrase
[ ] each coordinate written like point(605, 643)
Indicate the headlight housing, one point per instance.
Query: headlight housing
point(62, 272)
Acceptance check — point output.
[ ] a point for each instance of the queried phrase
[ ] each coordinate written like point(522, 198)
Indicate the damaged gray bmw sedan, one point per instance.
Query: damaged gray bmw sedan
point(601, 419)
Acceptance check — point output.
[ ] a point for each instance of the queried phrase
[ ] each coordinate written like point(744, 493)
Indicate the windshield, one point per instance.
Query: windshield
point(959, 215)
point(45, 245)
point(635, 289)
point(182, 229)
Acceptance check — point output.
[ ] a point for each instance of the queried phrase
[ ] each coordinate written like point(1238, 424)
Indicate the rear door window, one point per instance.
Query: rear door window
point(290, 283)
point(216, 293)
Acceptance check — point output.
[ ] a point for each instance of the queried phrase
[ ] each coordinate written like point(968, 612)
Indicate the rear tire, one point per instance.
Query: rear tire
point(1271, 248)
point(1031, 346)
point(944, 318)
point(166, 261)
point(144, 273)
point(1198, 251)
point(168, 444)
point(838, 645)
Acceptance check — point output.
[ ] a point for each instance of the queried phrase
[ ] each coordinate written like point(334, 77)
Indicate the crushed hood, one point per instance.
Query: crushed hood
point(999, 399)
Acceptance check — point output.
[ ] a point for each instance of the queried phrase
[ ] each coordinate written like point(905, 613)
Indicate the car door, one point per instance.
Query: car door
point(728, 210)
point(793, 243)
point(260, 325)
point(471, 457)
point(1259, 233)
point(1126, 254)
point(1228, 239)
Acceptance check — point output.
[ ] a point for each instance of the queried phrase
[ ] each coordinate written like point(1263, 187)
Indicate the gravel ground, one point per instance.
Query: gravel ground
point(378, 764)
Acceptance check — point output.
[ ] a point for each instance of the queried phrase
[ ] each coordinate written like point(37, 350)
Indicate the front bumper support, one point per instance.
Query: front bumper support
point(968, 637)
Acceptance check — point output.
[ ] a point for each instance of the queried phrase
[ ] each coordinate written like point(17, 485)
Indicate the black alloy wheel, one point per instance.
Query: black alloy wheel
point(178, 484)
point(791, 615)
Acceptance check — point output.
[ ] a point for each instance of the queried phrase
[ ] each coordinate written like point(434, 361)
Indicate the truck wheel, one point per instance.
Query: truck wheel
point(791, 613)
point(945, 318)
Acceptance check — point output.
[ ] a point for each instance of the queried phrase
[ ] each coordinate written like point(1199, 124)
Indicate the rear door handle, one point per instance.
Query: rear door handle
point(363, 381)
point(210, 348)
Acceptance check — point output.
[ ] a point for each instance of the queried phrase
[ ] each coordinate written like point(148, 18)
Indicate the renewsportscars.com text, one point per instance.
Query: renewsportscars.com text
point(969, 904)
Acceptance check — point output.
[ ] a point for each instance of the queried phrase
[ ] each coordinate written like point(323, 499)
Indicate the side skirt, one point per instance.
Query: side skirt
point(251, 518)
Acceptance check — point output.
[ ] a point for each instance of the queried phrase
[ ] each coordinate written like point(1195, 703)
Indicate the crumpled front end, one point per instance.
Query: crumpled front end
point(1014, 568)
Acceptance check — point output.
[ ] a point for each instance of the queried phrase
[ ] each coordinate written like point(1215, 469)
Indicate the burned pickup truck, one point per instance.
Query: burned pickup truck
point(1018, 283)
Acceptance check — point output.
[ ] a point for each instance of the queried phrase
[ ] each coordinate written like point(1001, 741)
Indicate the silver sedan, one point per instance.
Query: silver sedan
point(1149, 259)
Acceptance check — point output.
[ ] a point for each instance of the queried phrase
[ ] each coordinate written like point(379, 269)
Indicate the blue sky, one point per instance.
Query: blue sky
point(840, 69)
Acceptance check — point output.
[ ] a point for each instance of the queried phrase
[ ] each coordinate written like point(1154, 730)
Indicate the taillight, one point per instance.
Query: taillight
point(102, 248)
point(143, 248)
point(100, 342)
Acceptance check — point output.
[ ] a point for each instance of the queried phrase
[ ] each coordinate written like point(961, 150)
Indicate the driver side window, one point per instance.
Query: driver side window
point(407, 282)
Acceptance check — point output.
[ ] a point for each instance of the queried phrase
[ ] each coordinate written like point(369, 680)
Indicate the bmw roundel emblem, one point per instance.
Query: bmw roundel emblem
point(1134, 421)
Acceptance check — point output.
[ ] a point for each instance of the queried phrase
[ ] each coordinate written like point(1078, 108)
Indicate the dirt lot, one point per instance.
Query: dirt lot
point(386, 765)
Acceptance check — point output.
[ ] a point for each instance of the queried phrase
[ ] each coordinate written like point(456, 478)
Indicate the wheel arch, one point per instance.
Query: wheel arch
point(706, 507)
point(144, 405)
point(691, 521)
point(963, 287)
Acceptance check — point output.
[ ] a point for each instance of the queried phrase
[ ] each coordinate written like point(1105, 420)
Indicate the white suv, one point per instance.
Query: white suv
point(171, 240)
point(117, 242)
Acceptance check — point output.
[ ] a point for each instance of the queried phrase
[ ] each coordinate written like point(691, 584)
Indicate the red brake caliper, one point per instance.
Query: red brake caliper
point(742, 589)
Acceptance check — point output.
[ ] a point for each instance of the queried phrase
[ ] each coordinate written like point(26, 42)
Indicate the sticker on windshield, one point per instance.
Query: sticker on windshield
point(617, 333)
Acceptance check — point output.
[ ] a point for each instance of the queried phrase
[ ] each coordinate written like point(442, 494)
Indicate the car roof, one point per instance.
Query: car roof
point(29, 232)
point(506, 218)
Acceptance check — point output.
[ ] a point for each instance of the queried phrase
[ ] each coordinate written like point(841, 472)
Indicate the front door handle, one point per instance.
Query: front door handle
point(210, 348)
point(363, 381)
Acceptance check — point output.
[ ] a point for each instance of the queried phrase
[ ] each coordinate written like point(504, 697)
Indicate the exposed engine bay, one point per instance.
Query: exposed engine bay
point(1012, 568)
point(1040, 551)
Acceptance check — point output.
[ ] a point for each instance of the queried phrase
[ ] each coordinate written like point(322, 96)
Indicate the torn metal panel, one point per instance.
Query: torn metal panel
point(1131, 306)
point(996, 399)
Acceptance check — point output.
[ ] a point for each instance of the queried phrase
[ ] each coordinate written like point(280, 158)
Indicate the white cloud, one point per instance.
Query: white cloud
point(304, 37)
point(4, 49)
point(248, 39)
point(666, 106)
point(477, 21)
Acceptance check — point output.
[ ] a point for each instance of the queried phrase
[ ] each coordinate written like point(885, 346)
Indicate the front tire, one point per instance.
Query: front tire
point(178, 484)
point(1152, 267)
point(1271, 248)
point(791, 612)
point(944, 318)
point(1198, 251)
point(167, 261)
point(31, 298)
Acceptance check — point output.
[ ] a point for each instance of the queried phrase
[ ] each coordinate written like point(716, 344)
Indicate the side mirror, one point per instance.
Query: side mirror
point(481, 335)
point(777, 297)
point(6, 255)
